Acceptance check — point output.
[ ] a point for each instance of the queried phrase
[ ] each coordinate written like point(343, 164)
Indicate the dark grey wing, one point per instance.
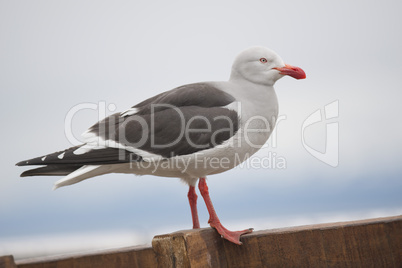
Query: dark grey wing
point(198, 94)
point(182, 121)
point(178, 131)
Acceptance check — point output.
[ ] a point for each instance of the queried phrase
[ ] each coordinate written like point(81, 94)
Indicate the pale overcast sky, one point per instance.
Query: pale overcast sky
point(55, 55)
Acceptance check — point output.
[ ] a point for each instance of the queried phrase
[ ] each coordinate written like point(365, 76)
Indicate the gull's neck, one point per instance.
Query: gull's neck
point(237, 77)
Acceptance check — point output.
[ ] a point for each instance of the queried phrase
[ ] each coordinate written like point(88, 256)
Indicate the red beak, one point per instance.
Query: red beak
point(292, 71)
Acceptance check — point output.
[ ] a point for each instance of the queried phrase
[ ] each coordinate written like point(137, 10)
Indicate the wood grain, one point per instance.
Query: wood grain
point(366, 243)
point(126, 257)
point(7, 262)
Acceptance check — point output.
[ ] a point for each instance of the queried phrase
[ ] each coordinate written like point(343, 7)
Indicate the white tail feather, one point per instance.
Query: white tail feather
point(81, 174)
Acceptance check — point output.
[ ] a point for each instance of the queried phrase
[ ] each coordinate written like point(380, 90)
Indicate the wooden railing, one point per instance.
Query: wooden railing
point(365, 243)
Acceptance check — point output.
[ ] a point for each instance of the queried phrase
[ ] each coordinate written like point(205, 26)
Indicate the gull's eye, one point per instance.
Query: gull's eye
point(263, 60)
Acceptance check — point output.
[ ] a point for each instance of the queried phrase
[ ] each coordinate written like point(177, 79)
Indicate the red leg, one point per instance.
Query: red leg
point(214, 220)
point(192, 198)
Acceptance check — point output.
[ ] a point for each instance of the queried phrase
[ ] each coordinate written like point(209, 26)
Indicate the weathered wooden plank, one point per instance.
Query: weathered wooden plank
point(192, 248)
point(246, 255)
point(393, 229)
point(366, 243)
point(7, 262)
point(298, 248)
point(125, 257)
point(198, 247)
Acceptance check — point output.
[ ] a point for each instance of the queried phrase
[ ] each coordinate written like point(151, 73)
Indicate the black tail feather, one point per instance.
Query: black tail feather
point(51, 170)
point(102, 156)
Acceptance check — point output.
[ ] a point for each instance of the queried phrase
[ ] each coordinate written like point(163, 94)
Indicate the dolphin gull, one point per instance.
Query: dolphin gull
point(189, 132)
